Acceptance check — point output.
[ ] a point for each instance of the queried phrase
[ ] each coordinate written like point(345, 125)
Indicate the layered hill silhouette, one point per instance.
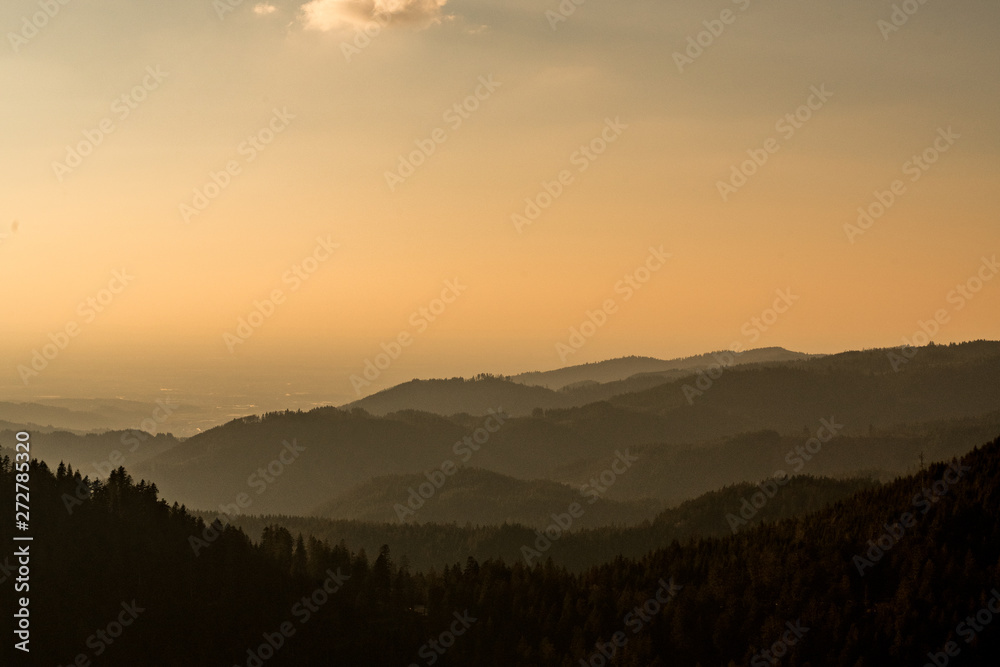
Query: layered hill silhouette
point(742, 426)
point(437, 545)
point(675, 473)
point(476, 497)
point(97, 415)
point(563, 388)
point(890, 575)
point(613, 370)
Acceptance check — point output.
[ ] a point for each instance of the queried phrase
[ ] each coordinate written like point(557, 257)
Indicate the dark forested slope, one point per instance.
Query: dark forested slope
point(884, 578)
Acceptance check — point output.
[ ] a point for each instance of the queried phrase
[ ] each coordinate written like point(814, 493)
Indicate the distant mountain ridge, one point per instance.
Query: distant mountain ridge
point(574, 386)
point(441, 544)
point(622, 368)
point(478, 497)
point(740, 428)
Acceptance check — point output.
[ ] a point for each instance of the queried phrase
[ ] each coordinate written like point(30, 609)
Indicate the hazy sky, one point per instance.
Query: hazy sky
point(117, 111)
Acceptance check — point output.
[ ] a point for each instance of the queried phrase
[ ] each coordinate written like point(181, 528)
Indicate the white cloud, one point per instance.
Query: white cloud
point(263, 9)
point(332, 14)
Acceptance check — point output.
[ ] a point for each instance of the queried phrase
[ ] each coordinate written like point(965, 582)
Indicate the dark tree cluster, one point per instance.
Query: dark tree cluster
point(740, 594)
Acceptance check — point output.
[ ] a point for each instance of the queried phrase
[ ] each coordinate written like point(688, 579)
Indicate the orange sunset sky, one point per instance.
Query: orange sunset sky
point(303, 120)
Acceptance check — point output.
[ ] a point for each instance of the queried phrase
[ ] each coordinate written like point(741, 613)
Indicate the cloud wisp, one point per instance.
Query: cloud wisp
point(326, 15)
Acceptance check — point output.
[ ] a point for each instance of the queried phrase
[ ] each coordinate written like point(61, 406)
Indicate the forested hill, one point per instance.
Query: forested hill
point(436, 545)
point(716, 601)
point(326, 452)
point(478, 497)
point(612, 370)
